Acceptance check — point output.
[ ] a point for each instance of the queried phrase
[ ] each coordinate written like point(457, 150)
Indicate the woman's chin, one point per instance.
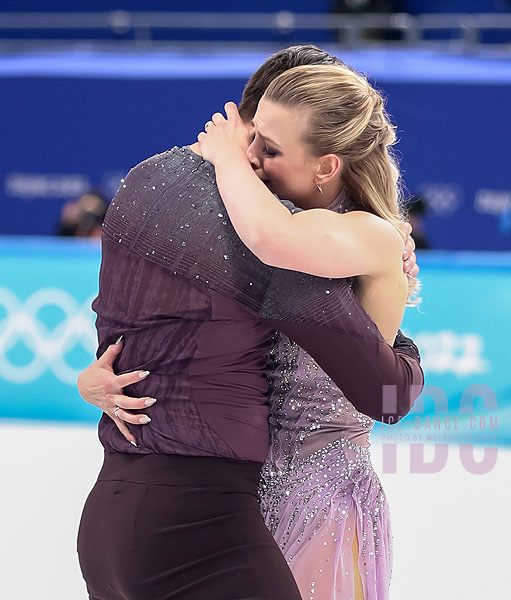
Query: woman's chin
point(271, 187)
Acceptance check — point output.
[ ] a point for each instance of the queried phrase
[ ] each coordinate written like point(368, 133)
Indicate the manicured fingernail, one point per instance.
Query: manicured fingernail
point(134, 443)
point(149, 401)
point(143, 420)
point(119, 339)
point(143, 374)
point(407, 263)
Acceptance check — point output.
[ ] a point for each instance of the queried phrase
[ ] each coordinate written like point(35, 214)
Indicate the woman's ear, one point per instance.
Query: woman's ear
point(329, 166)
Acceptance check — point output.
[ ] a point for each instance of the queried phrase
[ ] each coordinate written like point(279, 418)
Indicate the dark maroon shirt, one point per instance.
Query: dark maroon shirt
point(198, 309)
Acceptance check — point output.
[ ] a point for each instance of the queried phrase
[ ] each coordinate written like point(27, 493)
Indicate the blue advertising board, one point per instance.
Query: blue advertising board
point(78, 120)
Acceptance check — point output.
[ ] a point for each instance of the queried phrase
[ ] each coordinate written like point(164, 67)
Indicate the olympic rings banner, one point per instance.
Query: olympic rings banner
point(47, 333)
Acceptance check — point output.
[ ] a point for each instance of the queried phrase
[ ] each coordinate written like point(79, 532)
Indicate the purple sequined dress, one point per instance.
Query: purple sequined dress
point(318, 486)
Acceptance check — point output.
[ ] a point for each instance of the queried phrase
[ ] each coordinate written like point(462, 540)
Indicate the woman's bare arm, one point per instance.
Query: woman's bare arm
point(364, 244)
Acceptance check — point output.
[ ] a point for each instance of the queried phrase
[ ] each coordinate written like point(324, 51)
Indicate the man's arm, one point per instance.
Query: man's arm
point(381, 381)
point(409, 355)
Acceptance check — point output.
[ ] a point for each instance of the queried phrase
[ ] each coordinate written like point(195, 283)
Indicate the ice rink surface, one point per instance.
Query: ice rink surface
point(451, 531)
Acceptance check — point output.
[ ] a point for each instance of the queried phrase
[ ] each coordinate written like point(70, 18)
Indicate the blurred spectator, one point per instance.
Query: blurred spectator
point(367, 6)
point(83, 217)
point(416, 209)
point(355, 7)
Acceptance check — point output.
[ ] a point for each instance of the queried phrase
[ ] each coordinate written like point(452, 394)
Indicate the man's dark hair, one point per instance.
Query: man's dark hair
point(283, 60)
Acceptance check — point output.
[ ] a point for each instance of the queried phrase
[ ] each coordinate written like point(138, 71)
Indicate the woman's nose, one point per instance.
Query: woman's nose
point(253, 158)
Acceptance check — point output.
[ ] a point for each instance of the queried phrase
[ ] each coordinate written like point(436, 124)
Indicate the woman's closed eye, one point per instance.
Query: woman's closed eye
point(269, 153)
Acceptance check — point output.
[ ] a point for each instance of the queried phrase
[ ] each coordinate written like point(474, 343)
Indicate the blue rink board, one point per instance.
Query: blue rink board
point(47, 331)
point(72, 120)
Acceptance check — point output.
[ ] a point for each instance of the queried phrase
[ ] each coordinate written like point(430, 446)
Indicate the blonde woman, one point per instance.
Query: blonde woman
point(321, 137)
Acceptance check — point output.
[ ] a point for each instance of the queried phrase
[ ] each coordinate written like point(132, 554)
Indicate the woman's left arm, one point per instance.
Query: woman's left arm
point(305, 241)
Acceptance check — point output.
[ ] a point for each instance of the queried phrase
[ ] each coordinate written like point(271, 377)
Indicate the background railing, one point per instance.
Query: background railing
point(351, 30)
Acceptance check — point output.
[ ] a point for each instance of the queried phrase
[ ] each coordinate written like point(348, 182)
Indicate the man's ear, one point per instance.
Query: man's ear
point(329, 166)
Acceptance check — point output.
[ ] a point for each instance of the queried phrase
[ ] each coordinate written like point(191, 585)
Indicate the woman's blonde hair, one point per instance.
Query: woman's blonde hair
point(347, 117)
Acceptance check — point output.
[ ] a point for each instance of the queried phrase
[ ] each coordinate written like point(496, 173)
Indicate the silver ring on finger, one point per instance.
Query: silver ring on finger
point(207, 124)
point(116, 411)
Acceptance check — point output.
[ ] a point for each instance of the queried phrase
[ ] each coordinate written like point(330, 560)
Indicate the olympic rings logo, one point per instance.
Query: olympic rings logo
point(22, 328)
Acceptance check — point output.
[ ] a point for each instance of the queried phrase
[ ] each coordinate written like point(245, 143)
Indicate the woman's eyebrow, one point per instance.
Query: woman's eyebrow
point(267, 139)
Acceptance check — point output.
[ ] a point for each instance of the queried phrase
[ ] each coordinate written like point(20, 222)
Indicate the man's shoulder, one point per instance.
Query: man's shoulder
point(290, 206)
point(176, 153)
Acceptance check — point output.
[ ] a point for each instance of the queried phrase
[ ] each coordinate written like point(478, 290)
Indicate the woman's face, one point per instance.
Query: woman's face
point(279, 156)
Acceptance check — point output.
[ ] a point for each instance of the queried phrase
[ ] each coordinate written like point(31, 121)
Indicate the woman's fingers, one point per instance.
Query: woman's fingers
point(218, 118)
point(411, 268)
point(414, 271)
point(107, 359)
point(405, 227)
point(134, 419)
point(120, 406)
point(123, 428)
point(130, 378)
point(409, 257)
point(409, 247)
point(231, 110)
point(128, 403)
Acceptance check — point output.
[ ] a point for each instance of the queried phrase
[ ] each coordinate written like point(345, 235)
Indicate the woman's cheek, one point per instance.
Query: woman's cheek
point(273, 169)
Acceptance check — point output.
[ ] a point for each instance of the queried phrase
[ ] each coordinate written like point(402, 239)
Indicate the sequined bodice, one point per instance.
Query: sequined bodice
point(308, 411)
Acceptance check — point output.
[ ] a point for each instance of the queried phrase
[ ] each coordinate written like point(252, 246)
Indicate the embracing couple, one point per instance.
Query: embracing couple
point(251, 291)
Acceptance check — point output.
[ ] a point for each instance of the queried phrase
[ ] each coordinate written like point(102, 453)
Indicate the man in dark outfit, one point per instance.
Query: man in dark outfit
point(175, 515)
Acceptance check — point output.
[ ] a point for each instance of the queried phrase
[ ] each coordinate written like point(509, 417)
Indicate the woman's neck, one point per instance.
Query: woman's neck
point(330, 192)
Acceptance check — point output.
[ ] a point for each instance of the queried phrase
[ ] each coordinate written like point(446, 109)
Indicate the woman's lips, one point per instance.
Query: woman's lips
point(263, 179)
